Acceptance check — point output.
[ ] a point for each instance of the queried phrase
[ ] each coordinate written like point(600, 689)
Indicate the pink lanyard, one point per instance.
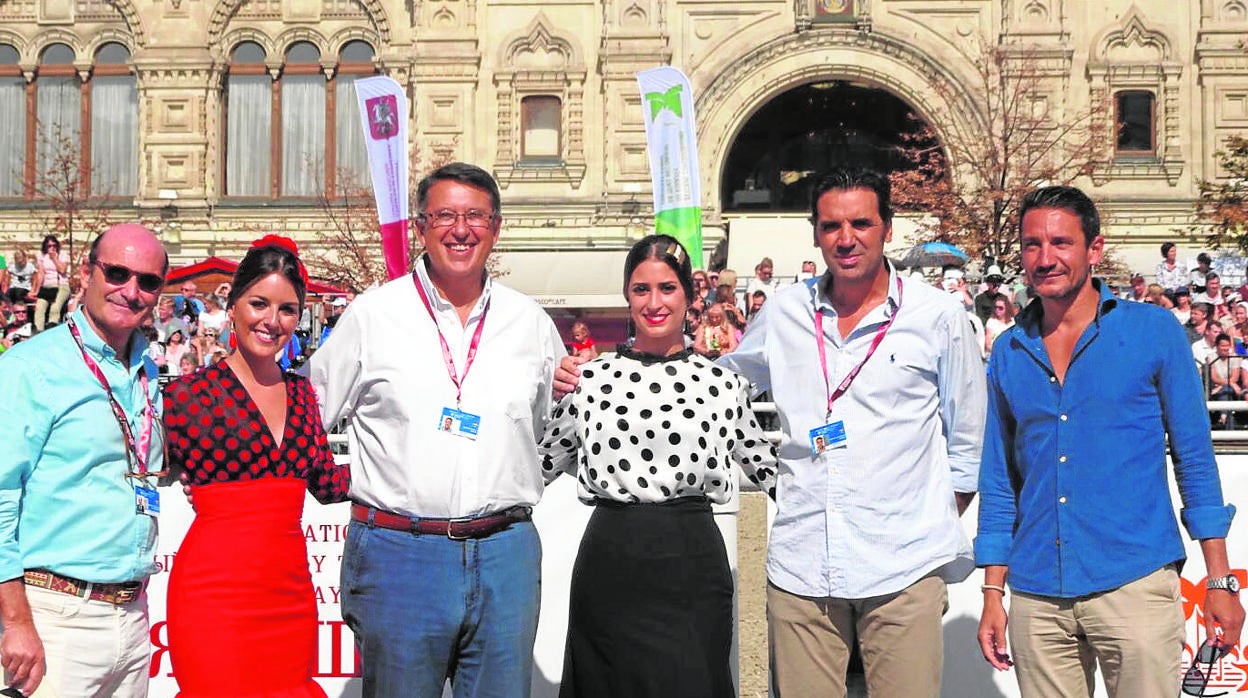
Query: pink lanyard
point(145, 436)
point(456, 378)
point(875, 344)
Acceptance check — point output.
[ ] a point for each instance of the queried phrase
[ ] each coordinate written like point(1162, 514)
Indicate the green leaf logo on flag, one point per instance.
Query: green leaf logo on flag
point(669, 100)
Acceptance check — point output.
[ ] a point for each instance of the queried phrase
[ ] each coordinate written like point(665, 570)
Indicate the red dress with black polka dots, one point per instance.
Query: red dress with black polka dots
point(241, 608)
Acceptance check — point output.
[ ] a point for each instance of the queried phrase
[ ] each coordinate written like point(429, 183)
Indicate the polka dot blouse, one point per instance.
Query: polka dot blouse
point(644, 428)
point(216, 433)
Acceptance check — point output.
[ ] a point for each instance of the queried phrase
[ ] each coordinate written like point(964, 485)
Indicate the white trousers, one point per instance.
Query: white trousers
point(94, 649)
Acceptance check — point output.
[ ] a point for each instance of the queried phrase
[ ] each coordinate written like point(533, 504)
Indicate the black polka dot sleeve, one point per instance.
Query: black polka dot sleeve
point(753, 452)
point(642, 428)
point(561, 442)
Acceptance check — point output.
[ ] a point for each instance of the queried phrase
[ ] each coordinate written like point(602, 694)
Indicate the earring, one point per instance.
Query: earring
point(631, 330)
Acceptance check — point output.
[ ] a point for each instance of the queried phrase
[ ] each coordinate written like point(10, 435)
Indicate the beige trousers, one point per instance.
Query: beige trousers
point(94, 649)
point(1135, 633)
point(900, 636)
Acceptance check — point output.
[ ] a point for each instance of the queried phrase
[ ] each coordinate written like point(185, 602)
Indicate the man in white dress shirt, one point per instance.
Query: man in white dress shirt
point(440, 574)
point(881, 395)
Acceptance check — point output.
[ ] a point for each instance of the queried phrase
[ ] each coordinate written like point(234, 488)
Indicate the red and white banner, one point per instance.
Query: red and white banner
point(383, 115)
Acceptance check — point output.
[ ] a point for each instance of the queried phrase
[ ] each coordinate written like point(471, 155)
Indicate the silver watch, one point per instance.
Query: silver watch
point(1228, 583)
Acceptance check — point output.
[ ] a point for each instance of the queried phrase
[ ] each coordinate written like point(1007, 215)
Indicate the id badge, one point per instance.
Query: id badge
point(459, 423)
point(146, 500)
point(829, 436)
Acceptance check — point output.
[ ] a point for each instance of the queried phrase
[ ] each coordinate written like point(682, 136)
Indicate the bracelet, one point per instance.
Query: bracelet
point(993, 587)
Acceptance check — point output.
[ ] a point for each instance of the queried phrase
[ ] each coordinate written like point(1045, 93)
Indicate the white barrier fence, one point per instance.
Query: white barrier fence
point(560, 520)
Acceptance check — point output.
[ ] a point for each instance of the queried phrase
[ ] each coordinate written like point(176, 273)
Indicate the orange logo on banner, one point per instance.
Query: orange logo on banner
point(1227, 674)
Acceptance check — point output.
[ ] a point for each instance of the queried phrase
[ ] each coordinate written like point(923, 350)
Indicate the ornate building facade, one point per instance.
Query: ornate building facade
point(214, 119)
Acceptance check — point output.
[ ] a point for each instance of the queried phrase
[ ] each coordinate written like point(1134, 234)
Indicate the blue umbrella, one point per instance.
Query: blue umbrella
point(933, 254)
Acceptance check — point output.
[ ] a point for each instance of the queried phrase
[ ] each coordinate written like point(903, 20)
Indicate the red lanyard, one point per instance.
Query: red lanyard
point(456, 378)
point(875, 344)
point(140, 448)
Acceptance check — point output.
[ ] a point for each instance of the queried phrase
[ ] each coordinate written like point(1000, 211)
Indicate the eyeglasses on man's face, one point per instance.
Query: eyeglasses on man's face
point(447, 218)
point(118, 275)
point(1196, 680)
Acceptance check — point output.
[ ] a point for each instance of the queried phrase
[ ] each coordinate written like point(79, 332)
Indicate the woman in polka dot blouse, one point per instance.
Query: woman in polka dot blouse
point(242, 614)
point(654, 435)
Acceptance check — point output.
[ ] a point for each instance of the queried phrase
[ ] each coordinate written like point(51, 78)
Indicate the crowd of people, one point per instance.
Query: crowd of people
point(462, 408)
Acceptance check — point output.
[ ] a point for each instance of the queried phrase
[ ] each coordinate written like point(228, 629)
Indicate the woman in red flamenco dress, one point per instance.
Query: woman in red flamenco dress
point(249, 441)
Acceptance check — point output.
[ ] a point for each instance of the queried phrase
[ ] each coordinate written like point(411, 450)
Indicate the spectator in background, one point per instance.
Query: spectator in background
point(52, 282)
point(21, 273)
point(764, 278)
point(1213, 295)
point(1195, 325)
point(701, 287)
point(716, 336)
point(807, 273)
point(176, 346)
point(334, 312)
point(1239, 327)
point(756, 304)
point(1226, 380)
point(188, 364)
point(727, 277)
point(166, 322)
point(1138, 291)
point(1196, 277)
point(1002, 319)
point(1170, 274)
point(188, 306)
point(583, 344)
point(953, 280)
point(1157, 296)
point(18, 328)
point(1182, 305)
point(1205, 348)
point(214, 316)
point(987, 299)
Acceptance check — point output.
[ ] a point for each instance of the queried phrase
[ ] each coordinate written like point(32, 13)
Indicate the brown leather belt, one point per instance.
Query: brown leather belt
point(115, 593)
point(455, 529)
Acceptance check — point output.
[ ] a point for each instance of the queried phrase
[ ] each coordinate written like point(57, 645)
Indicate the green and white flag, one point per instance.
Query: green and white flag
point(667, 103)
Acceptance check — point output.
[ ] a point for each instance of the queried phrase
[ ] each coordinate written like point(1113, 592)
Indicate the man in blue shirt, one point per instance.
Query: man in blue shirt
point(82, 440)
point(1075, 507)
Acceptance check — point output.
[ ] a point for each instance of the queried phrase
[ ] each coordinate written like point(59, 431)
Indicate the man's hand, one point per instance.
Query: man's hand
point(992, 622)
point(963, 500)
point(1224, 610)
point(21, 655)
point(568, 375)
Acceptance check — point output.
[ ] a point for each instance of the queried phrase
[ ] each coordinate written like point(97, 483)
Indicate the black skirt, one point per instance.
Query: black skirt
point(651, 605)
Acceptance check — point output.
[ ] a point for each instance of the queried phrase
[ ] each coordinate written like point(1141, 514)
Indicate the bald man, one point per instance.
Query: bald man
point(82, 445)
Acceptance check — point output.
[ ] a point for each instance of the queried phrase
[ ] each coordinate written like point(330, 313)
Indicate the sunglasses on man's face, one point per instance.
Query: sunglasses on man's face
point(1196, 680)
point(117, 275)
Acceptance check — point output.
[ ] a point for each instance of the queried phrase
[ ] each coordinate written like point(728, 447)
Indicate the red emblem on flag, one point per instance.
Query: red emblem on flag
point(382, 117)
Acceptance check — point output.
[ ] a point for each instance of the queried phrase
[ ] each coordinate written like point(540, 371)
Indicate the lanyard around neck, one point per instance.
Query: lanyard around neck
point(843, 387)
point(139, 448)
point(456, 377)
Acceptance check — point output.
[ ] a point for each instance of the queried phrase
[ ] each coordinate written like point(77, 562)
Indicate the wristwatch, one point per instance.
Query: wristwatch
point(1228, 583)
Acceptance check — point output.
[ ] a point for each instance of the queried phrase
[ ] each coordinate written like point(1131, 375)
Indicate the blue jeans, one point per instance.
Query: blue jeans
point(426, 608)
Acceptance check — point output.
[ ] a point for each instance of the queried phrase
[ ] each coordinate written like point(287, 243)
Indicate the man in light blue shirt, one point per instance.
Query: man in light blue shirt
point(81, 434)
point(1083, 392)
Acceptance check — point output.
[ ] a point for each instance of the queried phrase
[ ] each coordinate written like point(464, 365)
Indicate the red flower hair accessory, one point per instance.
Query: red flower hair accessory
point(286, 244)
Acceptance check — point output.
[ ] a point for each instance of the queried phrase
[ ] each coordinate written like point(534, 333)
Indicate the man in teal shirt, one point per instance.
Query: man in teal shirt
point(82, 441)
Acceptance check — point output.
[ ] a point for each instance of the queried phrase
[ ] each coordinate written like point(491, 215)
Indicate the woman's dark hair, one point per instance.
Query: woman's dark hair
point(43, 247)
point(258, 263)
point(666, 249)
point(1166, 247)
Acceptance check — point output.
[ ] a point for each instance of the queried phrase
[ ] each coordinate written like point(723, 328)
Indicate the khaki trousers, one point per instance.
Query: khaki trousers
point(1135, 632)
point(900, 636)
point(94, 649)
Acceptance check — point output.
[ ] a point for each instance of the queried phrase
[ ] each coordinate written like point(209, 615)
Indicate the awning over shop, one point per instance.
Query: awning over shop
point(572, 279)
point(215, 270)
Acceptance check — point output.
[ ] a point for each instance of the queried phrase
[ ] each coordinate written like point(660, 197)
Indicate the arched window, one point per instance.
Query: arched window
point(13, 116)
point(84, 136)
point(114, 125)
point(290, 137)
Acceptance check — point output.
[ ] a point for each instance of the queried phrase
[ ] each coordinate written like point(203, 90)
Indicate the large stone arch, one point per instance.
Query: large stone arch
point(131, 14)
point(734, 95)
